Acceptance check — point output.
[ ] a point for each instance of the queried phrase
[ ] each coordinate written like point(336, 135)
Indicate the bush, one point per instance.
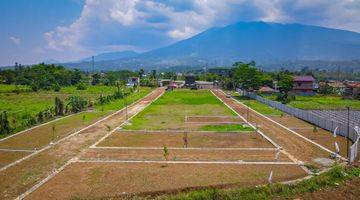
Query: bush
point(76, 104)
point(81, 86)
point(56, 88)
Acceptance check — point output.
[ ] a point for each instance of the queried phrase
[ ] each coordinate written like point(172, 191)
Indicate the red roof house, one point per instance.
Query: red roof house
point(304, 84)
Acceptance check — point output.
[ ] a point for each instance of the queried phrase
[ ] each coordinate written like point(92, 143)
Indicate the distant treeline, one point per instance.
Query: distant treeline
point(53, 77)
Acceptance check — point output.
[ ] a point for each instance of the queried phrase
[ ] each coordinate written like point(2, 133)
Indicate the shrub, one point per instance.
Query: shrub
point(81, 86)
point(76, 104)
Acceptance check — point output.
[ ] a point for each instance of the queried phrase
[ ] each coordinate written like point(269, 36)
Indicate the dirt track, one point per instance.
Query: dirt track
point(296, 146)
point(20, 177)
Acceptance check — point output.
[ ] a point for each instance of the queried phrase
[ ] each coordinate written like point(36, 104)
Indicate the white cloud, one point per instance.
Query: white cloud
point(15, 40)
point(146, 24)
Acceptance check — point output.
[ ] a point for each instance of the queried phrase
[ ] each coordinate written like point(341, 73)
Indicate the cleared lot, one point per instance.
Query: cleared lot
point(106, 180)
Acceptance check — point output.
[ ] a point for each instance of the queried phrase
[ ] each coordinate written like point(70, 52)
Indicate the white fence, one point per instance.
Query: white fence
point(354, 151)
point(325, 123)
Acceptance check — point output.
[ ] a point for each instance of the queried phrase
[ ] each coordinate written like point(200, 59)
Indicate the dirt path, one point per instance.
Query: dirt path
point(296, 146)
point(17, 179)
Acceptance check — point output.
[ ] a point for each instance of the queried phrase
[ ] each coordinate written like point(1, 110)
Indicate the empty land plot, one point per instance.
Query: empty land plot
point(247, 155)
point(7, 157)
point(320, 136)
point(195, 139)
point(106, 180)
point(169, 111)
point(298, 147)
point(24, 175)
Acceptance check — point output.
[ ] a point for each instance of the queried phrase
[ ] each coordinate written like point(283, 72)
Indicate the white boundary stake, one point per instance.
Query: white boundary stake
point(54, 120)
point(291, 157)
point(107, 135)
point(293, 132)
point(71, 135)
point(185, 149)
point(17, 150)
point(73, 160)
point(240, 162)
point(258, 131)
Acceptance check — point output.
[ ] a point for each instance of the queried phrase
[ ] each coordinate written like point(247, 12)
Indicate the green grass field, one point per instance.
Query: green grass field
point(225, 128)
point(169, 111)
point(321, 102)
point(260, 107)
point(25, 104)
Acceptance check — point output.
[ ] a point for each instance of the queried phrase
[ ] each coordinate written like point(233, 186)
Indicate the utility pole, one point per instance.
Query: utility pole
point(348, 132)
point(126, 110)
point(93, 63)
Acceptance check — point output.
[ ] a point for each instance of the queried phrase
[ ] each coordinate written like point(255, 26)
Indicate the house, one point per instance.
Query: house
point(190, 81)
point(267, 90)
point(352, 89)
point(205, 85)
point(338, 87)
point(172, 86)
point(304, 85)
point(133, 81)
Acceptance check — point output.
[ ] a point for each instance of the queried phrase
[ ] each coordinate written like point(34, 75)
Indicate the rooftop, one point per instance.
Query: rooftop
point(304, 79)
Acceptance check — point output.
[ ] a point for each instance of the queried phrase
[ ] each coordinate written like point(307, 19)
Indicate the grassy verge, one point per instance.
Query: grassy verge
point(335, 176)
point(169, 111)
point(321, 102)
point(225, 128)
point(259, 107)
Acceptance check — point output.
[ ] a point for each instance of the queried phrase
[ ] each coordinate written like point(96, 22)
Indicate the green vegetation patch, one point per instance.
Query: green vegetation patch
point(259, 107)
point(335, 176)
point(169, 111)
point(321, 102)
point(226, 128)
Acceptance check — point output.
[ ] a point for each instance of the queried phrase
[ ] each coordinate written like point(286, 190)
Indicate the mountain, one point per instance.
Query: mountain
point(111, 56)
point(265, 43)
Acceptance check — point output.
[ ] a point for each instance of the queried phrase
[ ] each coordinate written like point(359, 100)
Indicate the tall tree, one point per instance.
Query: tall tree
point(247, 76)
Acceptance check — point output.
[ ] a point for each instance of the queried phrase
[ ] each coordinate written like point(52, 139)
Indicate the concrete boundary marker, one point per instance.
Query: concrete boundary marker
point(29, 129)
point(17, 150)
point(53, 174)
point(258, 131)
point(185, 149)
point(32, 189)
point(111, 132)
point(292, 131)
point(62, 139)
point(240, 162)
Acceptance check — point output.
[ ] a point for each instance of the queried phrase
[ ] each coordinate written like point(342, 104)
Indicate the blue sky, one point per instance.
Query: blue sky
point(33, 31)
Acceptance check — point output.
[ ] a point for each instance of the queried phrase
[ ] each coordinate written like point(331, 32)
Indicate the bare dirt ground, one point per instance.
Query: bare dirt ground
point(175, 139)
point(296, 146)
point(106, 180)
point(16, 179)
point(7, 157)
point(184, 155)
point(321, 136)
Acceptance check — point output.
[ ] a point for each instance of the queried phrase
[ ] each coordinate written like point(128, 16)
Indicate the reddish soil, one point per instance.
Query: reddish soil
point(182, 155)
point(19, 178)
point(296, 146)
point(106, 180)
point(321, 136)
point(195, 139)
point(7, 157)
